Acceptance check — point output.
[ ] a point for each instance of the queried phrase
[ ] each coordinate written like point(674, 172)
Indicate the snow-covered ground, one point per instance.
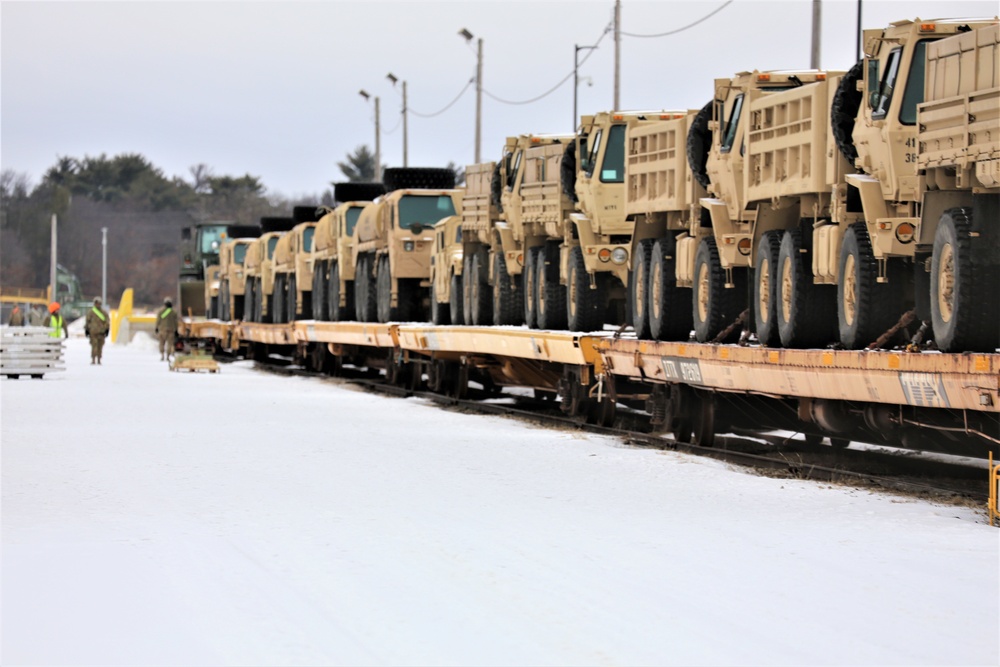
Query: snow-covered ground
point(151, 517)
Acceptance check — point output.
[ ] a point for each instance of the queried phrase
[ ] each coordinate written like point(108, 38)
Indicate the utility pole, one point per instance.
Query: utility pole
point(817, 30)
point(479, 99)
point(858, 38)
point(378, 144)
point(576, 77)
point(104, 265)
point(406, 158)
point(52, 268)
point(618, 52)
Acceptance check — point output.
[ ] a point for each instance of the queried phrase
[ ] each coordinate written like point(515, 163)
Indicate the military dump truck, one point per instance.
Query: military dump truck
point(480, 214)
point(393, 242)
point(333, 270)
point(446, 271)
point(232, 285)
point(773, 182)
point(258, 270)
point(199, 250)
point(293, 268)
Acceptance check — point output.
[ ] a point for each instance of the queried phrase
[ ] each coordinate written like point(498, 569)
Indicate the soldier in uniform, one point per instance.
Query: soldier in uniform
point(166, 329)
point(54, 320)
point(16, 317)
point(35, 316)
point(97, 325)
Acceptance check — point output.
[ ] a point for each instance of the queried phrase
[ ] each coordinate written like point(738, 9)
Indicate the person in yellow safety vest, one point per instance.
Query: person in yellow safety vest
point(97, 326)
point(166, 329)
point(55, 321)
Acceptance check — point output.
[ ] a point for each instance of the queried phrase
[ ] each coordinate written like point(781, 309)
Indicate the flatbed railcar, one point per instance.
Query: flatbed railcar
point(922, 400)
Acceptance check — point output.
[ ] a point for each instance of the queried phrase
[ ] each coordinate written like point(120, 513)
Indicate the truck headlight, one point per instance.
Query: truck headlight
point(408, 246)
point(619, 255)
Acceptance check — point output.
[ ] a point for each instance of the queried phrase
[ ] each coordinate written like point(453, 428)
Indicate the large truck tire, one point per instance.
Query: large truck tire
point(271, 224)
point(964, 314)
point(455, 301)
point(248, 301)
point(496, 188)
point(480, 294)
point(638, 287)
point(529, 279)
point(866, 308)
point(804, 310)
point(383, 288)
point(305, 214)
point(715, 306)
point(401, 178)
point(507, 306)
point(320, 312)
point(669, 305)
point(440, 312)
point(584, 304)
point(844, 111)
point(551, 294)
point(765, 289)
point(699, 143)
point(567, 171)
point(345, 192)
point(365, 296)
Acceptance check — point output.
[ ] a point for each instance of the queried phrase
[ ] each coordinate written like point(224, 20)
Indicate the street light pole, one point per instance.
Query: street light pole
point(576, 76)
point(378, 137)
point(479, 90)
point(406, 161)
point(53, 273)
point(104, 265)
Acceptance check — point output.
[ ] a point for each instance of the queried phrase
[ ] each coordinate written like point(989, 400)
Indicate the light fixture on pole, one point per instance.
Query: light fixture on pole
point(406, 161)
point(479, 89)
point(378, 136)
point(576, 77)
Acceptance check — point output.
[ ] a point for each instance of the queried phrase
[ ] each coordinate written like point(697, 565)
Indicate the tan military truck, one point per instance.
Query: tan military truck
point(393, 240)
point(480, 214)
point(533, 226)
point(774, 178)
point(446, 271)
point(232, 284)
point(258, 270)
point(333, 270)
point(959, 157)
point(662, 200)
point(293, 274)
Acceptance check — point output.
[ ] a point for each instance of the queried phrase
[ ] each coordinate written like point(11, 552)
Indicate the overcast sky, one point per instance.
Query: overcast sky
point(271, 89)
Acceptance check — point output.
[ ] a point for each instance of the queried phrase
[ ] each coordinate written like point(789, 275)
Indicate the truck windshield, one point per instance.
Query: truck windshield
point(239, 253)
point(271, 244)
point(914, 93)
point(424, 209)
point(307, 239)
point(613, 169)
point(212, 237)
point(351, 219)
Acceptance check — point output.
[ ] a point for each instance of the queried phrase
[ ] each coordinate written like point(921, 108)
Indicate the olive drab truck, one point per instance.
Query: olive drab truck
point(533, 226)
point(926, 185)
point(393, 240)
point(232, 281)
point(774, 180)
point(333, 269)
point(597, 255)
point(258, 269)
point(663, 199)
point(446, 270)
point(293, 268)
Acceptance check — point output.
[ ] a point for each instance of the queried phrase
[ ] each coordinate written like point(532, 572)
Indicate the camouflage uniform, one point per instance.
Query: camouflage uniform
point(16, 318)
point(97, 326)
point(166, 329)
point(35, 317)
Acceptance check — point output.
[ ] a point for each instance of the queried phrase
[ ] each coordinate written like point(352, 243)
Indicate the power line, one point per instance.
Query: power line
point(690, 25)
point(558, 85)
point(448, 106)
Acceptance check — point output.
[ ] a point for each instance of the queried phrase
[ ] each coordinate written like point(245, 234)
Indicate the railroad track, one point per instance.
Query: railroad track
point(907, 472)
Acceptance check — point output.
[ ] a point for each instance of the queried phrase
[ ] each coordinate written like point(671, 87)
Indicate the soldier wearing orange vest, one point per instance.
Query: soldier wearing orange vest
point(97, 326)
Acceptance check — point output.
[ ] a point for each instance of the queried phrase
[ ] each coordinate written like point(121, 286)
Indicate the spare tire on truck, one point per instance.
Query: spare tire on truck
point(496, 187)
point(420, 178)
point(699, 142)
point(567, 171)
point(269, 224)
point(345, 192)
point(304, 214)
point(844, 111)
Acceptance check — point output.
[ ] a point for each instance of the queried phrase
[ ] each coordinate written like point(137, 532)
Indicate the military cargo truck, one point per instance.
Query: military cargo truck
point(232, 285)
point(258, 269)
point(480, 214)
point(393, 242)
point(199, 250)
point(446, 271)
point(333, 269)
point(212, 285)
point(293, 268)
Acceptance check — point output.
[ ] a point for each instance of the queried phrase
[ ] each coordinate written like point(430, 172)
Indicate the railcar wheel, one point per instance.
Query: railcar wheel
point(480, 295)
point(765, 289)
point(530, 280)
point(551, 295)
point(583, 302)
point(704, 421)
point(964, 316)
point(715, 306)
point(507, 293)
point(804, 310)
point(669, 305)
point(865, 307)
point(639, 288)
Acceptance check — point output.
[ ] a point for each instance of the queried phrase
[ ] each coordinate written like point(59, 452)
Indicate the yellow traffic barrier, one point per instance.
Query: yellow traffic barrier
point(992, 507)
